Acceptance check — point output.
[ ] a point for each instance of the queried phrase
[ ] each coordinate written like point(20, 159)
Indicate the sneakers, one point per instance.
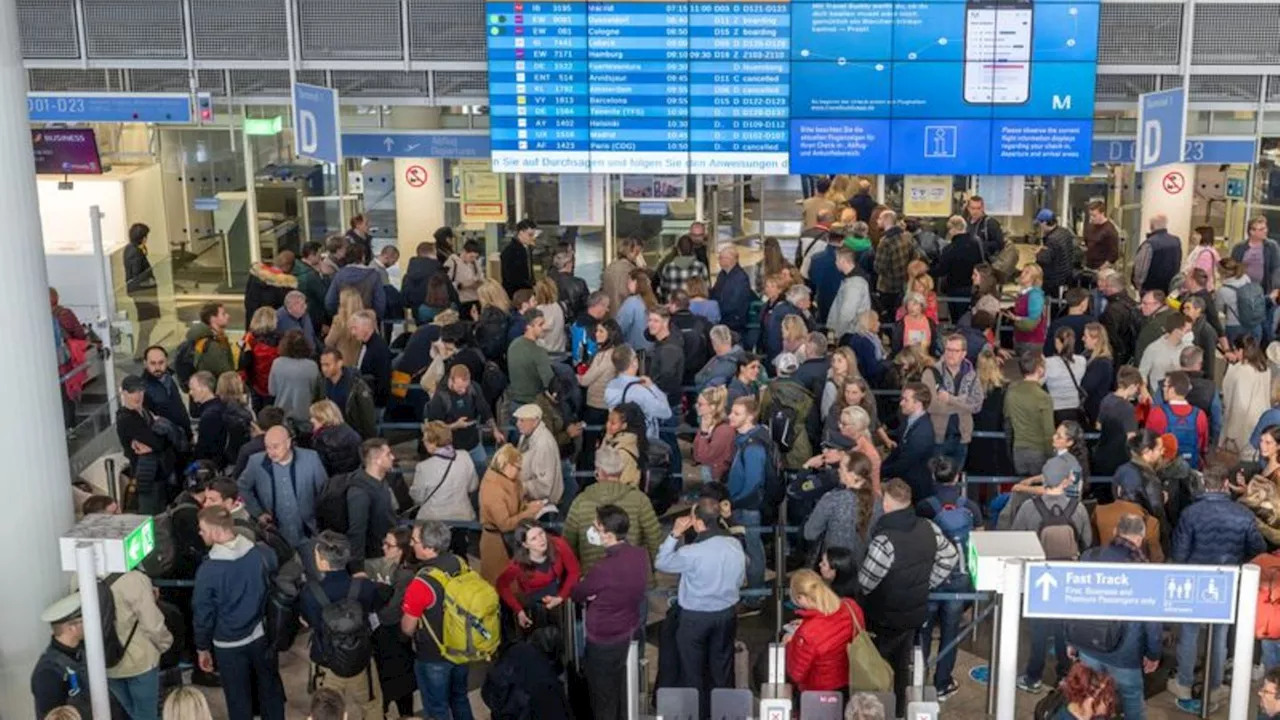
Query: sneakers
point(1178, 690)
point(1028, 685)
point(946, 693)
point(1192, 707)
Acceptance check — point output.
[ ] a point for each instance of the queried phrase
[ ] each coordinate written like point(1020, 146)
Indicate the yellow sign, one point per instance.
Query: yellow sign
point(926, 196)
point(484, 193)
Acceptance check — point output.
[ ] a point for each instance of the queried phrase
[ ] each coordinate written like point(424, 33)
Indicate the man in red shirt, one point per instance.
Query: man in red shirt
point(1171, 413)
point(443, 684)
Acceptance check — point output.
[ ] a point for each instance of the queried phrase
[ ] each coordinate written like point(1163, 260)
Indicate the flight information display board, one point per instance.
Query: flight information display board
point(981, 87)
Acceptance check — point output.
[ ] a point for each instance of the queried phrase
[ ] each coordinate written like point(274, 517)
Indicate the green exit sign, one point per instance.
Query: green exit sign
point(973, 563)
point(139, 543)
point(264, 126)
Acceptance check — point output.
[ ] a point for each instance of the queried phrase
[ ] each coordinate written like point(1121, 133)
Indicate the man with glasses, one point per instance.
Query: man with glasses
point(1154, 311)
point(957, 395)
point(1269, 696)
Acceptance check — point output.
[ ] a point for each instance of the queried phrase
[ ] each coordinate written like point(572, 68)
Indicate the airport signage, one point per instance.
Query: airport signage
point(1126, 591)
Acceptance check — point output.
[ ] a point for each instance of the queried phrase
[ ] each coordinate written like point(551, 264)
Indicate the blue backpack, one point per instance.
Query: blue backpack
point(956, 521)
point(1183, 427)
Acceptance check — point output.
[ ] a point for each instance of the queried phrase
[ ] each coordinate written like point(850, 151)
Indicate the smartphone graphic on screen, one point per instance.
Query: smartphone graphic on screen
point(997, 51)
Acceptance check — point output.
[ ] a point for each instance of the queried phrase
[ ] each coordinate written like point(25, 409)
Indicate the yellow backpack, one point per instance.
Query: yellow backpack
point(471, 628)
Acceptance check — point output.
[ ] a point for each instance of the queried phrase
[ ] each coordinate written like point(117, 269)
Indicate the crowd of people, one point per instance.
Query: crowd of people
point(577, 446)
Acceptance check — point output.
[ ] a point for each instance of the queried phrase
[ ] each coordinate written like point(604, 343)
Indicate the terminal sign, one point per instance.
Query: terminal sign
point(1111, 591)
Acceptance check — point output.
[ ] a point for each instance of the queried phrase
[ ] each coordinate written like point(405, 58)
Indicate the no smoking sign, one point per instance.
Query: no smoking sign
point(1173, 182)
point(415, 175)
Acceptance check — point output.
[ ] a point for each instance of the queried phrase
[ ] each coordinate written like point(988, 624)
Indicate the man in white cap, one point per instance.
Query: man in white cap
point(541, 471)
point(60, 677)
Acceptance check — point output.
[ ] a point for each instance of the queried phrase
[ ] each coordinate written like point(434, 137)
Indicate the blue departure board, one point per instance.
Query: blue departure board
point(794, 86)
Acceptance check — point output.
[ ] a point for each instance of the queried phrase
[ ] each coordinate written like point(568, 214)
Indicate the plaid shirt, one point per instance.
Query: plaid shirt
point(892, 256)
point(675, 277)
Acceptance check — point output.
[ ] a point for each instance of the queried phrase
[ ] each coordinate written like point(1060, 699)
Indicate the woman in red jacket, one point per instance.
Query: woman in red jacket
point(540, 576)
point(817, 650)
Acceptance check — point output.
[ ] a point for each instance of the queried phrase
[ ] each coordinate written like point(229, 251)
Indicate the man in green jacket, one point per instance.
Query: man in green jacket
point(313, 283)
point(610, 490)
point(1028, 414)
point(209, 341)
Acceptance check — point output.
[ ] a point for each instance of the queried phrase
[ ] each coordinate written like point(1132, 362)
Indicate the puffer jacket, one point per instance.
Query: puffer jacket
point(338, 447)
point(1216, 530)
point(720, 369)
point(266, 286)
point(817, 656)
point(491, 333)
point(1056, 256)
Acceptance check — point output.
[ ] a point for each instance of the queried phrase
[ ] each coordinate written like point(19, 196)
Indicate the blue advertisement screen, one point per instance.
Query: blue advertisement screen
point(793, 86)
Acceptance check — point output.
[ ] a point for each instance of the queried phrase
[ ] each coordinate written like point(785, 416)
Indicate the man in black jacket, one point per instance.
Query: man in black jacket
point(910, 459)
point(422, 266)
point(517, 258)
point(459, 404)
point(572, 289)
point(956, 263)
point(1159, 257)
point(161, 393)
point(695, 331)
point(60, 676)
point(369, 507)
point(984, 229)
point(1057, 254)
point(348, 390)
point(907, 557)
point(667, 359)
point(1120, 317)
point(374, 362)
point(211, 430)
point(149, 452)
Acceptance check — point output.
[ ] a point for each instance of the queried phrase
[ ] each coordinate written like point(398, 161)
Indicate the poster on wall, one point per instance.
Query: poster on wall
point(1002, 194)
point(484, 194)
point(582, 199)
point(653, 188)
point(926, 196)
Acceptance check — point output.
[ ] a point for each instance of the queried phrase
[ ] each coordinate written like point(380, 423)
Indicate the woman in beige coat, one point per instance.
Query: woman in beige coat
point(502, 507)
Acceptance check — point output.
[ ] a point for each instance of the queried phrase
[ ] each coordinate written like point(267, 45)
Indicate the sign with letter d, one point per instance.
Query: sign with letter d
point(1162, 128)
point(317, 134)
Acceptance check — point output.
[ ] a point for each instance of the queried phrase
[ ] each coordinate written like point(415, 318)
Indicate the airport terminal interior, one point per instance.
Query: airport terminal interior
point(928, 349)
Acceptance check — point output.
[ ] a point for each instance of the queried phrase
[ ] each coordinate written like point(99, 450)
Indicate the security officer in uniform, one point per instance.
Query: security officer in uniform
point(60, 676)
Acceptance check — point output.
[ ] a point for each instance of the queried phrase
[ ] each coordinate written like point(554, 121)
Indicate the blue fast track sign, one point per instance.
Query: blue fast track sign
point(1111, 591)
point(315, 122)
point(1162, 128)
point(425, 144)
point(109, 107)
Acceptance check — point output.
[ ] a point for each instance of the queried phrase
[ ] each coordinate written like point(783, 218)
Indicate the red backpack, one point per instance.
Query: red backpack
point(262, 354)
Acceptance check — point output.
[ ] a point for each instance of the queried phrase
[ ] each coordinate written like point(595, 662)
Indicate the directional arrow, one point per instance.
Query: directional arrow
point(388, 143)
point(1046, 583)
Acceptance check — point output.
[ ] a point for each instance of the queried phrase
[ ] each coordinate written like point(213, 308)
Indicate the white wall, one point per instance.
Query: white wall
point(1176, 206)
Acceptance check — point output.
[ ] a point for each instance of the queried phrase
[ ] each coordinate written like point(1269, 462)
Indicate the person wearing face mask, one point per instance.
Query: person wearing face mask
point(614, 593)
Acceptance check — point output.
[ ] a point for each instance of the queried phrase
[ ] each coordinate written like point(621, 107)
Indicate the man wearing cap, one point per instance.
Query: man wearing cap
point(1057, 254)
point(148, 443)
point(517, 258)
point(1033, 516)
point(541, 472)
point(60, 677)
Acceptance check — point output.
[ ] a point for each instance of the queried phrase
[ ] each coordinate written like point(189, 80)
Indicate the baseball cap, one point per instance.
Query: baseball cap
point(1046, 216)
point(132, 384)
point(786, 363)
point(528, 412)
point(1055, 472)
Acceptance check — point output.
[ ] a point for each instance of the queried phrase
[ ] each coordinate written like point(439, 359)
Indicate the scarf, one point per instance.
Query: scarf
point(876, 346)
point(1133, 553)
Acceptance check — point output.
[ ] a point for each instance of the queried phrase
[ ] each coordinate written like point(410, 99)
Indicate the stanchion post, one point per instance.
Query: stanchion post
point(633, 681)
point(1246, 615)
point(780, 567)
point(1207, 693)
point(109, 466)
point(1010, 616)
point(992, 661)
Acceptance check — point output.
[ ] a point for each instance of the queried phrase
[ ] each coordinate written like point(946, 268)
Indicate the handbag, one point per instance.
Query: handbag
point(1005, 263)
point(868, 670)
point(401, 380)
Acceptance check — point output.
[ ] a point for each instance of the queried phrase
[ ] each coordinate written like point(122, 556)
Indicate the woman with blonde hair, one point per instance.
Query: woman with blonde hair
point(258, 351)
point(919, 281)
point(502, 507)
point(699, 302)
point(68, 712)
point(916, 328)
point(186, 703)
point(989, 456)
point(492, 316)
point(844, 365)
point(633, 315)
point(340, 337)
point(444, 480)
point(1030, 313)
point(547, 295)
point(336, 442)
point(1099, 373)
point(817, 648)
point(713, 446)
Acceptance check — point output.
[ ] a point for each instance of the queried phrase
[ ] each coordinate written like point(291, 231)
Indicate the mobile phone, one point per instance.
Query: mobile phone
point(997, 51)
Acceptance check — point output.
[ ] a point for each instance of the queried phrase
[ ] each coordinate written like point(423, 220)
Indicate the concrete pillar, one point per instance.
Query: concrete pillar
point(37, 502)
point(420, 188)
point(1169, 190)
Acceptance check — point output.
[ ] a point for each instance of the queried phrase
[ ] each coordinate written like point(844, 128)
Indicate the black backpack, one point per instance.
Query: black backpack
point(184, 362)
point(775, 487)
point(346, 643)
point(1095, 636)
point(493, 383)
point(491, 333)
point(112, 648)
point(331, 508)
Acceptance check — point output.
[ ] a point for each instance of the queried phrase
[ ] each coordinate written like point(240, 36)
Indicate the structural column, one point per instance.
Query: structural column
point(36, 483)
point(1169, 191)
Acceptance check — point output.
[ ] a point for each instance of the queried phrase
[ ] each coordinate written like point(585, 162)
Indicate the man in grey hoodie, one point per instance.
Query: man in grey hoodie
point(282, 486)
point(721, 368)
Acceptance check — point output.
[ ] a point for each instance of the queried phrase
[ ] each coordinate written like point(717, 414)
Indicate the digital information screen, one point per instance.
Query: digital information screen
point(967, 87)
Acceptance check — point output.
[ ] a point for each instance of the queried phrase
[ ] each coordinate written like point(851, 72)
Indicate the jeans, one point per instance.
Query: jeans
point(705, 648)
point(750, 519)
point(138, 695)
point(479, 458)
point(1189, 652)
point(1040, 632)
point(1129, 687)
point(247, 667)
point(945, 614)
point(570, 487)
point(1270, 654)
point(1235, 332)
point(1269, 325)
point(443, 686)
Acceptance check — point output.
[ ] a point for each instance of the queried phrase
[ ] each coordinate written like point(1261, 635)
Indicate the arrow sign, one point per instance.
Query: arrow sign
point(388, 143)
point(1046, 583)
